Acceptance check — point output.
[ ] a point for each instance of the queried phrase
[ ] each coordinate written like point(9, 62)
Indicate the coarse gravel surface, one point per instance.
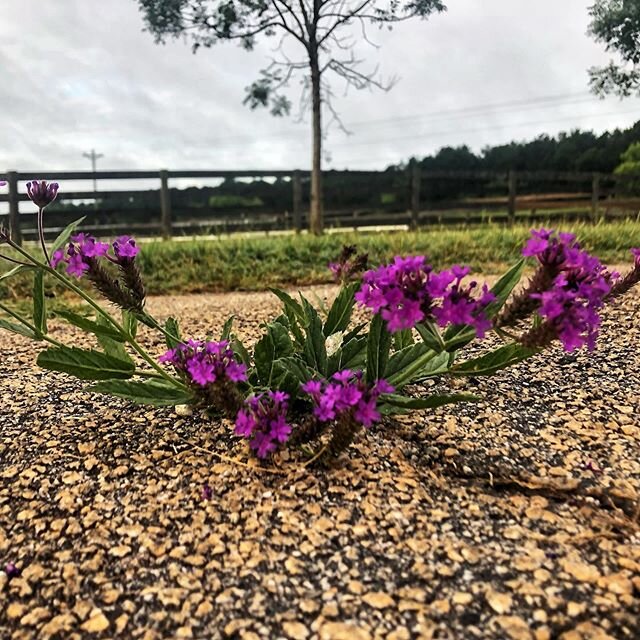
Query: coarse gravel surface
point(514, 518)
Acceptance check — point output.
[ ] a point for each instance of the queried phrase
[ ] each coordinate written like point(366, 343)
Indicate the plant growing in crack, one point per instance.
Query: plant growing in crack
point(315, 378)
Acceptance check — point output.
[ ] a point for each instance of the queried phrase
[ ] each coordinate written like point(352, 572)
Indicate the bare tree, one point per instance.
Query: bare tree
point(325, 31)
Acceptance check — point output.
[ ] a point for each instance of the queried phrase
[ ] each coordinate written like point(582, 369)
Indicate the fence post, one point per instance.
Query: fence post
point(511, 212)
point(165, 204)
point(296, 183)
point(14, 208)
point(415, 194)
point(595, 197)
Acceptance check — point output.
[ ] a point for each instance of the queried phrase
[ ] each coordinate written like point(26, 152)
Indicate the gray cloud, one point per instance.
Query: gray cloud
point(75, 75)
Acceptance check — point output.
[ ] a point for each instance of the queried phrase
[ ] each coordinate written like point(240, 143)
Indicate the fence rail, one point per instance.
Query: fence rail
point(420, 198)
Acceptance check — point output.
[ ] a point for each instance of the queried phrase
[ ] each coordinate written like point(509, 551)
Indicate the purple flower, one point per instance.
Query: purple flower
point(398, 292)
point(571, 305)
point(41, 193)
point(459, 307)
point(636, 255)
point(348, 264)
point(207, 492)
point(125, 247)
point(57, 258)
point(204, 363)
point(346, 395)
point(201, 371)
point(79, 253)
point(549, 247)
point(11, 570)
point(263, 419)
point(406, 292)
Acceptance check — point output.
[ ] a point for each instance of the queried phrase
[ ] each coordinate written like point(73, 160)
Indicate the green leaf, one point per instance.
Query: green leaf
point(294, 312)
point(112, 347)
point(17, 328)
point(172, 337)
point(39, 305)
point(352, 355)
point(289, 303)
point(341, 310)
point(275, 344)
point(403, 358)
point(15, 271)
point(151, 392)
point(288, 375)
point(402, 339)
point(226, 329)
point(86, 364)
point(107, 331)
point(489, 363)
point(240, 350)
point(503, 288)
point(130, 323)
point(315, 351)
point(65, 234)
point(354, 333)
point(431, 336)
point(378, 346)
point(430, 402)
point(424, 366)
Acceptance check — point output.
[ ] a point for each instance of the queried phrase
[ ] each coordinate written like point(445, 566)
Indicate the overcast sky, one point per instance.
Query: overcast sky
point(77, 74)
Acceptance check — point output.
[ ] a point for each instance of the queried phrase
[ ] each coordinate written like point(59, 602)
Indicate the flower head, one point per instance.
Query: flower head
point(346, 394)
point(204, 363)
point(571, 305)
point(458, 306)
point(636, 255)
point(79, 253)
point(348, 264)
point(398, 292)
point(263, 419)
point(550, 247)
point(125, 247)
point(41, 193)
point(407, 291)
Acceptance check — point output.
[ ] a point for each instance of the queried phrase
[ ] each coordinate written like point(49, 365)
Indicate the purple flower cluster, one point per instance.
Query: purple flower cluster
point(348, 264)
point(404, 293)
point(83, 248)
point(551, 249)
point(263, 419)
point(571, 304)
point(346, 394)
point(206, 362)
point(458, 305)
point(41, 193)
point(636, 256)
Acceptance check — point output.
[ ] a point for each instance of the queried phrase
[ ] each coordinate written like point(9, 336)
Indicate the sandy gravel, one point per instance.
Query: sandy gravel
point(514, 518)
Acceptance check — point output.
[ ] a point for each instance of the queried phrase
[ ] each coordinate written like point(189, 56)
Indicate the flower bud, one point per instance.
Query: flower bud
point(41, 193)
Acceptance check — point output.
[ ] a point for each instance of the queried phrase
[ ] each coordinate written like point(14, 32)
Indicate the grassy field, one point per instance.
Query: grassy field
point(259, 262)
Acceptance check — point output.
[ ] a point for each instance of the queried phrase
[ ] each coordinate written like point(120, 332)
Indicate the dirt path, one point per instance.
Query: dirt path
point(513, 518)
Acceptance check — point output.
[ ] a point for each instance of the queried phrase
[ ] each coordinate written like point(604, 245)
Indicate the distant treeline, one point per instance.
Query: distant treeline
point(575, 151)
point(581, 151)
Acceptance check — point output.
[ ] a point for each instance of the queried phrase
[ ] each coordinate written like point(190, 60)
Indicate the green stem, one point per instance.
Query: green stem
point(89, 300)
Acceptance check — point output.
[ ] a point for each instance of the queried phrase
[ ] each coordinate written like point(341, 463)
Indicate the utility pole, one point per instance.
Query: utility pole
point(93, 156)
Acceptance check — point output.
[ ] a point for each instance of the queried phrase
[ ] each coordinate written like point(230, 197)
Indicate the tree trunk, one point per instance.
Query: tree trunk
point(316, 218)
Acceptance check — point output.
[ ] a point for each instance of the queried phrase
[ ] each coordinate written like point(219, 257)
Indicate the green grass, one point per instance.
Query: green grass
point(256, 263)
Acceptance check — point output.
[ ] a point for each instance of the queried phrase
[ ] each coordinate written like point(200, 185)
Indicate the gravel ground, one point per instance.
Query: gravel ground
point(513, 518)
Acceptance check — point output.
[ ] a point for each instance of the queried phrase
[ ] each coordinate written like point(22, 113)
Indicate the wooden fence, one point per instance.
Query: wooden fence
point(418, 201)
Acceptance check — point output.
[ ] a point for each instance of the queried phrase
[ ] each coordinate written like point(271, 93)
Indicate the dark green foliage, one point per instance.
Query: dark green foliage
point(616, 23)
